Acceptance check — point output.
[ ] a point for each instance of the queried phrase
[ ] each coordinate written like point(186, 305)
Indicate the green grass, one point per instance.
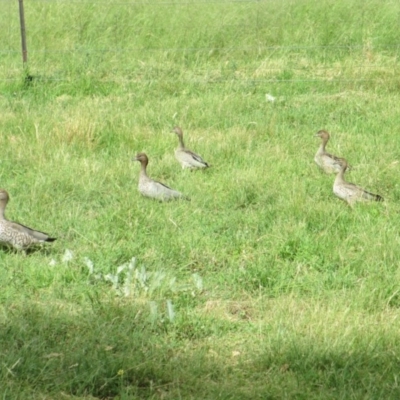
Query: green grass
point(265, 285)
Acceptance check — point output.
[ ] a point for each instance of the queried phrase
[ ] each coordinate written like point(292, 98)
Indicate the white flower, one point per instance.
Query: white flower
point(89, 264)
point(270, 98)
point(198, 281)
point(170, 309)
point(68, 256)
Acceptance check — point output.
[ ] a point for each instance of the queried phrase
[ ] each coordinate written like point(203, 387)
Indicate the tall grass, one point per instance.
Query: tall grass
point(264, 285)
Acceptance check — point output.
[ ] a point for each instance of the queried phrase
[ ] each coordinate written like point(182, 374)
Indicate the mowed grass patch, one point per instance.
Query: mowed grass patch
point(264, 285)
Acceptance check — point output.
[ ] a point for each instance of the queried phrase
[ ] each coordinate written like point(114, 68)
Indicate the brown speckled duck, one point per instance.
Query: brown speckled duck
point(349, 191)
point(16, 235)
point(186, 157)
point(329, 163)
point(151, 188)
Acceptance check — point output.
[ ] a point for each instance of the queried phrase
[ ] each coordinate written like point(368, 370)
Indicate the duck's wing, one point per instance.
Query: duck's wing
point(197, 157)
point(38, 235)
point(335, 160)
point(166, 193)
point(357, 192)
point(189, 157)
point(371, 196)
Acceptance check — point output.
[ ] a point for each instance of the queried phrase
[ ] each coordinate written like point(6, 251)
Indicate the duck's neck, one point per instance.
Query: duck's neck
point(323, 145)
point(2, 209)
point(181, 144)
point(143, 167)
point(340, 175)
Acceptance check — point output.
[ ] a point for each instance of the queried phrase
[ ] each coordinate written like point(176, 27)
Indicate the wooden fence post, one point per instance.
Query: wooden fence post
point(23, 32)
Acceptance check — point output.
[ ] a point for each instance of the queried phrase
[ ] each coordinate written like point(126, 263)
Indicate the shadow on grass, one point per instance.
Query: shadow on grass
point(113, 351)
point(44, 249)
point(108, 351)
point(307, 369)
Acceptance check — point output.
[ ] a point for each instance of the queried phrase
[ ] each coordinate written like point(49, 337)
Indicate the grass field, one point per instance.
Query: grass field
point(265, 285)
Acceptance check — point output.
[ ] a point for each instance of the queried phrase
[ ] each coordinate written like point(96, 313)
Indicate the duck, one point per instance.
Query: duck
point(154, 189)
point(186, 157)
point(350, 192)
point(329, 163)
point(18, 236)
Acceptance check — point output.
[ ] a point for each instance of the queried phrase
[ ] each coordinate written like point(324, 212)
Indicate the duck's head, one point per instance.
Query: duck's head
point(322, 134)
point(177, 130)
point(142, 158)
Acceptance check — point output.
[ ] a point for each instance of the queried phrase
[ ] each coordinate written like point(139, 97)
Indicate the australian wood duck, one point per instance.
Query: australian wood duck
point(16, 235)
point(349, 191)
point(150, 188)
point(326, 161)
point(186, 157)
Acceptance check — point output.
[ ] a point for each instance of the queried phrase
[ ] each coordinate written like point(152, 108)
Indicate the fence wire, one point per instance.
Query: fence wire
point(97, 56)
